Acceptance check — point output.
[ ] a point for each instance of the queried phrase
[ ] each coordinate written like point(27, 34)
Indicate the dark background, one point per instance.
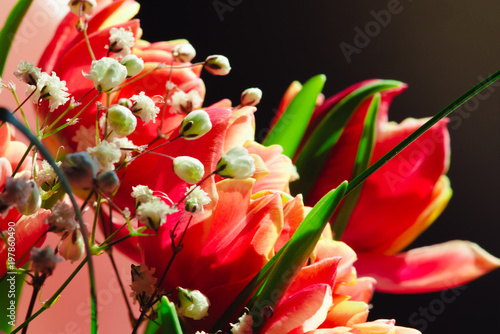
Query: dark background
point(440, 48)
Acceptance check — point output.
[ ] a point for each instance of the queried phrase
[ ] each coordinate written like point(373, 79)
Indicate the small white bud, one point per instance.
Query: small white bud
point(80, 170)
point(217, 65)
point(195, 124)
point(183, 53)
point(237, 163)
point(134, 65)
point(87, 9)
point(192, 304)
point(72, 246)
point(196, 198)
point(189, 169)
point(251, 97)
point(121, 120)
point(34, 201)
point(106, 73)
point(125, 103)
point(185, 102)
point(44, 260)
point(108, 181)
point(121, 41)
point(144, 107)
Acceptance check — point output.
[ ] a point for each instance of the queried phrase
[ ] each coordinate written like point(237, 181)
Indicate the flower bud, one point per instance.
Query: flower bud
point(183, 53)
point(44, 260)
point(33, 202)
point(189, 169)
point(217, 65)
point(108, 181)
point(72, 246)
point(106, 73)
point(125, 103)
point(196, 198)
point(251, 97)
point(192, 304)
point(80, 170)
point(134, 65)
point(87, 9)
point(195, 125)
point(121, 120)
point(236, 164)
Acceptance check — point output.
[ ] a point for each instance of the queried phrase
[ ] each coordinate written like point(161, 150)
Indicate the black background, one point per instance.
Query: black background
point(440, 48)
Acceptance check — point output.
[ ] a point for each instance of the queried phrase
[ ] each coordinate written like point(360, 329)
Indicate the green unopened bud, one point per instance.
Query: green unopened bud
point(192, 304)
point(183, 53)
point(108, 181)
point(88, 6)
point(106, 73)
point(217, 65)
point(251, 97)
point(189, 169)
point(80, 170)
point(72, 246)
point(125, 103)
point(236, 164)
point(34, 201)
point(121, 120)
point(134, 65)
point(195, 124)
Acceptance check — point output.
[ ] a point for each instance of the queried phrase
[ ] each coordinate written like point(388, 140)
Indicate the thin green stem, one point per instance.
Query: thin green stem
point(51, 300)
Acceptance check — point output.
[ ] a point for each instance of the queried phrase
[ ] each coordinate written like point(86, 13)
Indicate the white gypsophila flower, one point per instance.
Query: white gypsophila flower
point(243, 326)
point(44, 260)
point(144, 107)
point(153, 214)
point(192, 304)
point(143, 281)
point(107, 154)
point(121, 41)
point(27, 72)
point(46, 174)
point(62, 218)
point(142, 194)
point(50, 88)
point(196, 198)
point(185, 102)
point(84, 138)
point(237, 163)
point(106, 73)
point(125, 146)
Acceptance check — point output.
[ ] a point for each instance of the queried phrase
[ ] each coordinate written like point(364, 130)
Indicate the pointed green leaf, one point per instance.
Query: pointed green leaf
point(10, 290)
point(10, 28)
point(296, 253)
point(313, 156)
point(168, 315)
point(363, 157)
point(292, 125)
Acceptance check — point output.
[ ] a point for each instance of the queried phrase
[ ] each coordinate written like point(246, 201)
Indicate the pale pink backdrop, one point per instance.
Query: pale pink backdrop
point(71, 313)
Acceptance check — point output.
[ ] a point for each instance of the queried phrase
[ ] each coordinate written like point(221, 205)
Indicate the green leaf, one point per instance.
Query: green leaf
point(10, 290)
point(292, 125)
point(315, 152)
point(10, 28)
point(363, 157)
point(295, 254)
point(168, 315)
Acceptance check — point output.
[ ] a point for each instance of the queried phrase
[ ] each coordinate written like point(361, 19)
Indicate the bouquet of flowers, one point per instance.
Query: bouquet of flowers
point(123, 161)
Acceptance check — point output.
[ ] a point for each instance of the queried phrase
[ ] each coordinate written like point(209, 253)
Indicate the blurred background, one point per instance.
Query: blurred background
point(440, 48)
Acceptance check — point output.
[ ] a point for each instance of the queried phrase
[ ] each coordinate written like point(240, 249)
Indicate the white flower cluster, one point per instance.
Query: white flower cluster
point(121, 41)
